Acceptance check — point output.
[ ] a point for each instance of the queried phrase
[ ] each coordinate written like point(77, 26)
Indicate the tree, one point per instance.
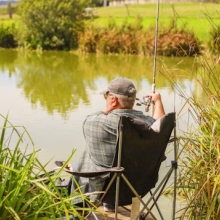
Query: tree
point(52, 24)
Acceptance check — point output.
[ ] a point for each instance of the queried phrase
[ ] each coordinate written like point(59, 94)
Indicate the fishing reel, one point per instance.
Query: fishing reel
point(146, 101)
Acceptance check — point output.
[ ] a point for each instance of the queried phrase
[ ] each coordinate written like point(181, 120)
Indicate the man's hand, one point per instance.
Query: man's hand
point(154, 97)
point(158, 108)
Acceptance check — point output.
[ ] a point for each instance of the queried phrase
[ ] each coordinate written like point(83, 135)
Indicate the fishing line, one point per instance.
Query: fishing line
point(155, 57)
point(155, 48)
point(147, 101)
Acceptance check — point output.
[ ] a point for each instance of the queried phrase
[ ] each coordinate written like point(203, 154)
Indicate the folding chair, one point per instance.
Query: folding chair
point(140, 152)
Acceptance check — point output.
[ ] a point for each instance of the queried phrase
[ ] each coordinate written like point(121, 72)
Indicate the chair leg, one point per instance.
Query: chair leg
point(161, 187)
point(117, 195)
point(136, 194)
point(155, 202)
point(91, 212)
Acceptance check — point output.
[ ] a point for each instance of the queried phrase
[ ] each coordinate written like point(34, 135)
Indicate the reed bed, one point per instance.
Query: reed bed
point(199, 170)
point(133, 39)
point(27, 190)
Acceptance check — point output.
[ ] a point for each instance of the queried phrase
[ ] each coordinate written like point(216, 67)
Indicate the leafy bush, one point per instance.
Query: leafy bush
point(7, 36)
point(52, 24)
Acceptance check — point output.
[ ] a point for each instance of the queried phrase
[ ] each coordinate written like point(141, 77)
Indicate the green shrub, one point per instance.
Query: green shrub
point(52, 24)
point(7, 36)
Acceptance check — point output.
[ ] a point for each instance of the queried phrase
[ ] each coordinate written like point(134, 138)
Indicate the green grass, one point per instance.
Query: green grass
point(192, 16)
point(23, 193)
point(190, 10)
point(6, 22)
point(199, 170)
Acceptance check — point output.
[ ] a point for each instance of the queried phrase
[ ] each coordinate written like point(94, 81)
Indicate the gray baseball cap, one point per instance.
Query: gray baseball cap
point(121, 86)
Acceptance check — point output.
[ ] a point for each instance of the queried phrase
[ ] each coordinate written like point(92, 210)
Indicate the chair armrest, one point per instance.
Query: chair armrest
point(95, 173)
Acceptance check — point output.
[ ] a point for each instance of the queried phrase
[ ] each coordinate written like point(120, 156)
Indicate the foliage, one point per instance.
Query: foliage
point(132, 39)
point(174, 42)
point(109, 40)
point(199, 174)
point(7, 36)
point(214, 40)
point(189, 16)
point(52, 24)
point(98, 2)
point(24, 193)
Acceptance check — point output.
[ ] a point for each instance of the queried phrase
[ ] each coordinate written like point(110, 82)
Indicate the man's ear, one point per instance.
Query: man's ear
point(114, 101)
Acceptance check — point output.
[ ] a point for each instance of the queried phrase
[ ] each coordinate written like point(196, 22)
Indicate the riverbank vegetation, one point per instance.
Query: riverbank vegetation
point(121, 29)
point(132, 39)
point(191, 16)
point(27, 190)
point(199, 166)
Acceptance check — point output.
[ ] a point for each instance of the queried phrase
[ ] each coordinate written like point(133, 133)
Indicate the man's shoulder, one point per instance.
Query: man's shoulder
point(98, 113)
point(132, 113)
point(127, 112)
point(101, 116)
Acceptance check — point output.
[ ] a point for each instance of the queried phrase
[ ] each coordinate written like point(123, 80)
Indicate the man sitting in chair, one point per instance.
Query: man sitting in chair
point(100, 132)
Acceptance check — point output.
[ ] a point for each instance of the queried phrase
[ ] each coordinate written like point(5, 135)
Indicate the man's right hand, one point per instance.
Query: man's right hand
point(158, 105)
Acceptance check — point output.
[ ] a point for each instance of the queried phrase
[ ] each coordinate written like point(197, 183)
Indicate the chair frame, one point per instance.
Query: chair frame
point(118, 174)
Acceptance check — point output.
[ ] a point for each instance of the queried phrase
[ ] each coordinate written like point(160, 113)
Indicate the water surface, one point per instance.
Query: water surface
point(51, 93)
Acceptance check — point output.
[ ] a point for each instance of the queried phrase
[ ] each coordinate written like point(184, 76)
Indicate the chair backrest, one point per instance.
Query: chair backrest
point(143, 151)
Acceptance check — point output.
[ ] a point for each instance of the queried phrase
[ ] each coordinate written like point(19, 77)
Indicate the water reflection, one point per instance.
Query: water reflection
point(61, 88)
point(7, 61)
point(59, 81)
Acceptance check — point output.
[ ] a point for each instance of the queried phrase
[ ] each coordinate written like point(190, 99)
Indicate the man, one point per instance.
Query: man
point(100, 131)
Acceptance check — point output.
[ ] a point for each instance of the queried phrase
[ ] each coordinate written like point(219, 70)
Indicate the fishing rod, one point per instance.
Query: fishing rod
point(146, 101)
point(155, 54)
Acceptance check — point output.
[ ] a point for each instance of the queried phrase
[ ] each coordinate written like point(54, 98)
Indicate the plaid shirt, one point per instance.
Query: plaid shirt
point(100, 133)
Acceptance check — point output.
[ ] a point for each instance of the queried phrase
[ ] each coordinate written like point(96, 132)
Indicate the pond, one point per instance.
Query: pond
point(51, 93)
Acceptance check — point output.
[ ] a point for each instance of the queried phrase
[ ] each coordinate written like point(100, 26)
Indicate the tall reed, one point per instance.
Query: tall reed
point(24, 193)
point(199, 170)
point(133, 39)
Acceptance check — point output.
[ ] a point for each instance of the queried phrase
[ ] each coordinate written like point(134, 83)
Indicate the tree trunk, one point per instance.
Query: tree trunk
point(9, 10)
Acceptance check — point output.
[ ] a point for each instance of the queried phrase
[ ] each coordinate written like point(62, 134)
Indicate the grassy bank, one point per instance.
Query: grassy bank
point(24, 192)
point(199, 160)
point(110, 24)
point(193, 16)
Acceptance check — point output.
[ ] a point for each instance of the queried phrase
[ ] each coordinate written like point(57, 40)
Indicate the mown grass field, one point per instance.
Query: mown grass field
point(192, 16)
point(198, 17)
